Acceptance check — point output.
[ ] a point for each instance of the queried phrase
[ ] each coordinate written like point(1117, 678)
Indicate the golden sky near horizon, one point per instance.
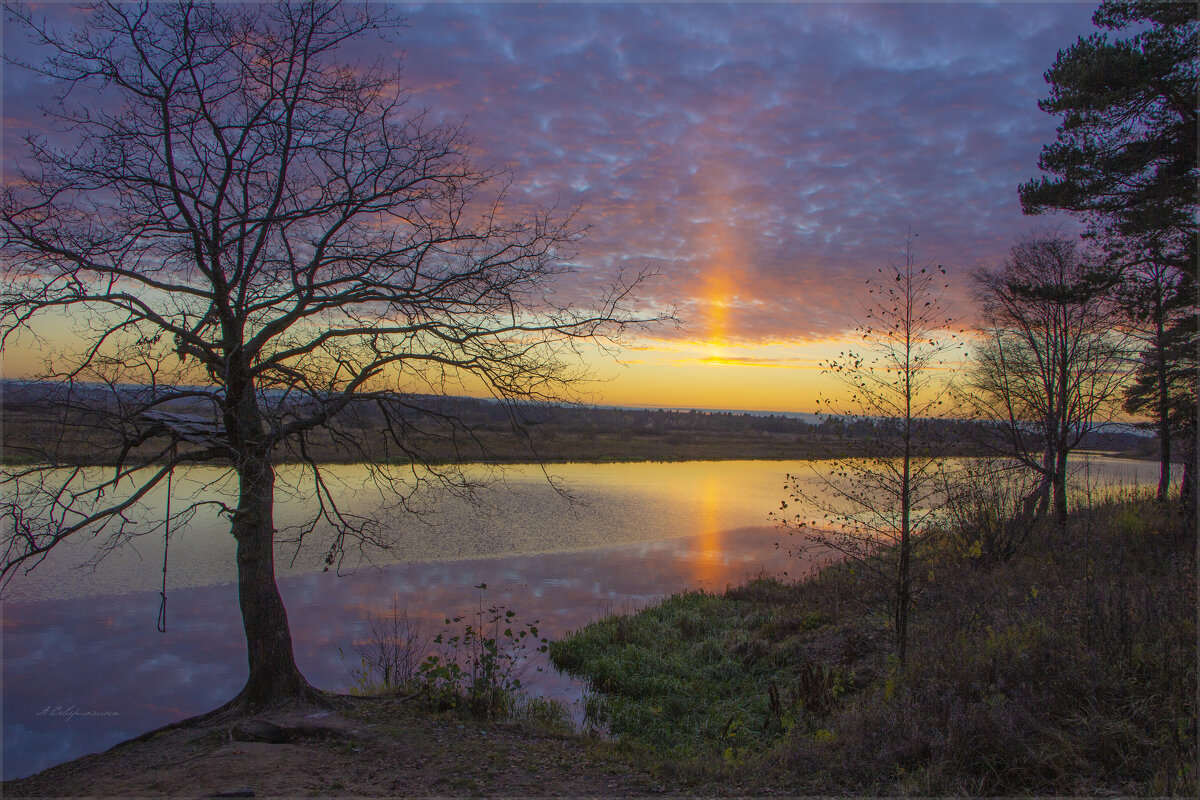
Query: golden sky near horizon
point(763, 160)
point(704, 373)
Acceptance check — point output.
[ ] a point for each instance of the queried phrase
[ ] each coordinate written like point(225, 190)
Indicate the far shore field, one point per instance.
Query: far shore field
point(32, 434)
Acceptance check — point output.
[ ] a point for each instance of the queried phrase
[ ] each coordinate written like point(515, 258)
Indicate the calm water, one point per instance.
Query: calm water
point(84, 667)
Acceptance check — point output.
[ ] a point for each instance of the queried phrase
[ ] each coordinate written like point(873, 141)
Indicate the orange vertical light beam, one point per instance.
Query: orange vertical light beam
point(724, 252)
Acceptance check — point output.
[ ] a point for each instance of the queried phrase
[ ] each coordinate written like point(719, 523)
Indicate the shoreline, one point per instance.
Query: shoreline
point(519, 462)
point(842, 739)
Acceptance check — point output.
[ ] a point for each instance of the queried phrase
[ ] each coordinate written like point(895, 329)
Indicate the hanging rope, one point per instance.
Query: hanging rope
point(162, 606)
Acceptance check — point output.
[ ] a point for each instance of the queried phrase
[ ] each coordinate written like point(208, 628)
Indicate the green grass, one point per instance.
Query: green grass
point(1069, 668)
point(704, 676)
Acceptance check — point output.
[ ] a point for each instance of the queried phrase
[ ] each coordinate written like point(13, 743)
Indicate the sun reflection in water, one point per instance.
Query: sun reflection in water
point(708, 568)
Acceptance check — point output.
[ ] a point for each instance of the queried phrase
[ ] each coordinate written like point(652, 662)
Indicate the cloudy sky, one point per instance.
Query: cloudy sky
point(763, 158)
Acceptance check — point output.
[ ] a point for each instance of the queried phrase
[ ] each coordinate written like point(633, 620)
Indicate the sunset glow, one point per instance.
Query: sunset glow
point(762, 160)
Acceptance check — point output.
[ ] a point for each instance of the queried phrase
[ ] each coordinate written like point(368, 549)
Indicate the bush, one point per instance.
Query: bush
point(476, 665)
point(984, 510)
point(542, 713)
point(391, 654)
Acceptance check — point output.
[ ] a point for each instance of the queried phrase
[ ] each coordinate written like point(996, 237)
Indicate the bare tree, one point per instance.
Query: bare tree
point(876, 505)
point(246, 224)
point(1051, 361)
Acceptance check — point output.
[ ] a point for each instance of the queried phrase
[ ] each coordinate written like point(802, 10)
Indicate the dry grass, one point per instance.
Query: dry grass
point(1068, 668)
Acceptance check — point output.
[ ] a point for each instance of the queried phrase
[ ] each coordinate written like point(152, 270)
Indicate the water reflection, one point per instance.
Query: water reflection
point(709, 542)
point(84, 668)
point(520, 514)
point(114, 677)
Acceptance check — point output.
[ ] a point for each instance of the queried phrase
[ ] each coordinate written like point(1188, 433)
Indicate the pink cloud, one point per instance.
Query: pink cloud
point(773, 153)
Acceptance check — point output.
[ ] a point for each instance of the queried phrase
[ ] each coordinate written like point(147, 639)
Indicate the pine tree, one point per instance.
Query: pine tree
point(1125, 159)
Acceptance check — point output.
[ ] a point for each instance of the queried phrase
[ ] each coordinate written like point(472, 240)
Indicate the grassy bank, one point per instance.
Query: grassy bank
point(1070, 668)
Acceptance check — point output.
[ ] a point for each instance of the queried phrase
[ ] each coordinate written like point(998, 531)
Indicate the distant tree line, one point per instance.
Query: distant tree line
point(475, 413)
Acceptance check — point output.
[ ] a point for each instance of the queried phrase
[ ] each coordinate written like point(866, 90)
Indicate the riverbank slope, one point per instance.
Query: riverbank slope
point(1069, 668)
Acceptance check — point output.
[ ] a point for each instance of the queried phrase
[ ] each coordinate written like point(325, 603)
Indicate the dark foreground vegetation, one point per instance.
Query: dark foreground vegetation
point(1069, 668)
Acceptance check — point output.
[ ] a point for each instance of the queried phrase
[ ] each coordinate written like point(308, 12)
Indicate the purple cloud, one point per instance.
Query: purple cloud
point(771, 154)
point(769, 157)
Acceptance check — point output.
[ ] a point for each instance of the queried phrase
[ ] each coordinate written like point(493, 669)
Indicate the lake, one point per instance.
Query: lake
point(85, 668)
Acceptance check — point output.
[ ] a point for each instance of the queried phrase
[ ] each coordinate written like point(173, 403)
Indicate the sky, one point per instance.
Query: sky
point(763, 159)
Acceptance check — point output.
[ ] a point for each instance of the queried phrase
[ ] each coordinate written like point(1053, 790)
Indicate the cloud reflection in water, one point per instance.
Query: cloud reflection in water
point(105, 657)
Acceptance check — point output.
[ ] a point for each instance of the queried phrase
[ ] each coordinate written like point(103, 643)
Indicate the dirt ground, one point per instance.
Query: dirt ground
point(360, 747)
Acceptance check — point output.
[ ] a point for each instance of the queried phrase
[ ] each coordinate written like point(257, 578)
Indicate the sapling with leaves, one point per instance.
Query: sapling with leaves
point(484, 655)
point(875, 504)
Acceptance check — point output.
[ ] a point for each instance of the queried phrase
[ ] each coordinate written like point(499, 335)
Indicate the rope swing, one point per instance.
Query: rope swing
point(181, 427)
point(162, 606)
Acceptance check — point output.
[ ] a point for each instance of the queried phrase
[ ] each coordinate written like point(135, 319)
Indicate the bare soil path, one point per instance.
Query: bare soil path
point(363, 747)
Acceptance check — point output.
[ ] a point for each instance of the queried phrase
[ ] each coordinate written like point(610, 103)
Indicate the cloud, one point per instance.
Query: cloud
point(764, 159)
point(748, 361)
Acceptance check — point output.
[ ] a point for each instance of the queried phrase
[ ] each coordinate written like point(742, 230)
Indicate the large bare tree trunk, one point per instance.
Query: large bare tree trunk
point(274, 677)
point(240, 222)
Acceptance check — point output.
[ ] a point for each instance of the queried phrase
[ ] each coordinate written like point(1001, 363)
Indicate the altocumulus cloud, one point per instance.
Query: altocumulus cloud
point(764, 158)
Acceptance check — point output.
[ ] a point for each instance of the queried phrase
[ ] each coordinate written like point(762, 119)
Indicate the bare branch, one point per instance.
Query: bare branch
point(249, 225)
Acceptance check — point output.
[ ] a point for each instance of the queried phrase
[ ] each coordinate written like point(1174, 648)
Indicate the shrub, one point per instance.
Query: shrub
point(476, 663)
point(391, 655)
point(984, 514)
